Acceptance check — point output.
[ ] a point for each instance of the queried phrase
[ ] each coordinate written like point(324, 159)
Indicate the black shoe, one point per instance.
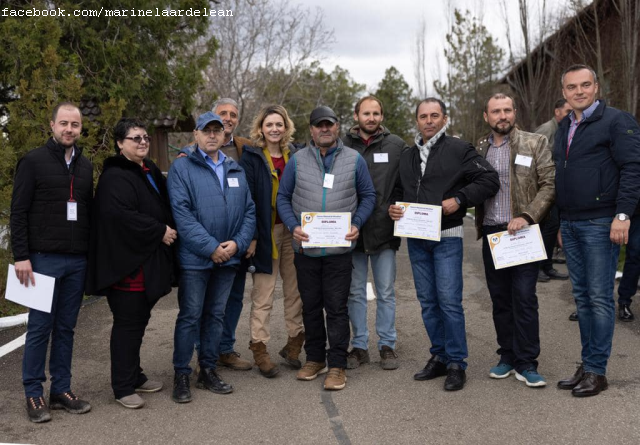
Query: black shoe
point(590, 385)
point(38, 410)
point(357, 357)
point(624, 313)
point(556, 275)
point(434, 368)
point(574, 316)
point(70, 402)
point(181, 391)
point(542, 277)
point(572, 381)
point(456, 377)
point(209, 379)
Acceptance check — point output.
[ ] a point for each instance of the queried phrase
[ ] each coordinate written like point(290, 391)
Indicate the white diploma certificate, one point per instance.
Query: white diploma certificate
point(419, 221)
point(526, 246)
point(326, 229)
point(37, 297)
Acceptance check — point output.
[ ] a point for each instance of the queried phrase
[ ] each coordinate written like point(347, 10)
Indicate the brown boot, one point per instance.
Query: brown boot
point(262, 359)
point(291, 351)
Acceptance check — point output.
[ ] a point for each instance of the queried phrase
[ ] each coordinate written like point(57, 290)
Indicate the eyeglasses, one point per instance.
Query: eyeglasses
point(139, 139)
point(211, 131)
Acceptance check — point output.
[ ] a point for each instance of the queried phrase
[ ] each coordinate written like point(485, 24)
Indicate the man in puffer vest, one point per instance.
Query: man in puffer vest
point(326, 176)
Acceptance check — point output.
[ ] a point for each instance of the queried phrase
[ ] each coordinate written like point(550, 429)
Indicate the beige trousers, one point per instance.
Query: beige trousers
point(264, 286)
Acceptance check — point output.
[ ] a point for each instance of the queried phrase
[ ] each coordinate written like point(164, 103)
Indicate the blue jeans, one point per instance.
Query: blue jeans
point(592, 260)
point(383, 266)
point(631, 273)
point(202, 298)
point(232, 312)
point(437, 273)
point(69, 272)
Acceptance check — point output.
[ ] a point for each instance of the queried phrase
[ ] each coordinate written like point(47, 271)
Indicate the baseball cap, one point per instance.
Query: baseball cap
point(322, 114)
point(206, 118)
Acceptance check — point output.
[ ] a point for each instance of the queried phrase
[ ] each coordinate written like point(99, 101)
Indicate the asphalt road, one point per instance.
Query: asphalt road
point(376, 407)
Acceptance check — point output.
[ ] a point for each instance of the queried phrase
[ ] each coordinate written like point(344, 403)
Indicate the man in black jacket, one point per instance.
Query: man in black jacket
point(381, 150)
point(597, 155)
point(444, 171)
point(50, 208)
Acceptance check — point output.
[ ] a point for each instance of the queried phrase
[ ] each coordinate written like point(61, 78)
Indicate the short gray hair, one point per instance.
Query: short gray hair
point(224, 101)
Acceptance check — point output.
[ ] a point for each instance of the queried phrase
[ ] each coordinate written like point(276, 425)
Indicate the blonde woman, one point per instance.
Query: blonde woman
point(271, 247)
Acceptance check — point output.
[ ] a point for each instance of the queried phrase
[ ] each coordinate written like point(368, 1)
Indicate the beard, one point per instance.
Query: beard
point(505, 130)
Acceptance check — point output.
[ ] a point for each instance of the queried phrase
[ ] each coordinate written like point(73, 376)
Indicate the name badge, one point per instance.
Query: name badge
point(233, 182)
point(523, 160)
point(328, 181)
point(72, 211)
point(381, 158)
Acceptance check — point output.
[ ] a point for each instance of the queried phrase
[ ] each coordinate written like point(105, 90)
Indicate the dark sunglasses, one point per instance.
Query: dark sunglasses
point(138, 139)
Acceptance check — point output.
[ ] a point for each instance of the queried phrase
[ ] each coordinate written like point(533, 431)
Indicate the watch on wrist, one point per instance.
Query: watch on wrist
point(457, 200)
point(622, 217)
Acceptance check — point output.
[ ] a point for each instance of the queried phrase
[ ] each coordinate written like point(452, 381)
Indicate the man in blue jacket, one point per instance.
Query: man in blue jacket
point(215, 217)
point(597, 155)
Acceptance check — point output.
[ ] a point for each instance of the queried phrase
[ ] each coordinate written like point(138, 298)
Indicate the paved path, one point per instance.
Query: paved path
point(376, 407)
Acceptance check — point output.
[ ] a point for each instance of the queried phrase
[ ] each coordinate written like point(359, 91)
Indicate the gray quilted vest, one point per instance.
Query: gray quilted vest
point(310, 196)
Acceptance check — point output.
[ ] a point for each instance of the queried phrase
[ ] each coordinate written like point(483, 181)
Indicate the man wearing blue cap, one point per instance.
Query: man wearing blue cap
point(215, 217)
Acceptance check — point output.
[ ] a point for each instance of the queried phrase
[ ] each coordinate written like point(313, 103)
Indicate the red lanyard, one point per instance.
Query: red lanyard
point(71, 189)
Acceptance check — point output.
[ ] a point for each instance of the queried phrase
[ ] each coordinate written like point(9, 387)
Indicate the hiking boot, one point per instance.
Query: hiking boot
point(388, 358)
point(336, 379)
point(357, 357)
point(291, 351)
point(70, 402)
point(133, 401)
point(150, 386)
point(262, 359)
point(232, 360)
point(37, 410)
point(311, 370)
point(181, 391)
point(209, 379)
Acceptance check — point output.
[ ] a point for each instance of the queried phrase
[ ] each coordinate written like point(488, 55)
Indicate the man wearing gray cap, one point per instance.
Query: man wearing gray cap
point(215, 217)
point(325, 177)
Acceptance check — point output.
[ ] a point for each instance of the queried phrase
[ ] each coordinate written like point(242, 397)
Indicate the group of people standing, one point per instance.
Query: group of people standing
point(231, 205)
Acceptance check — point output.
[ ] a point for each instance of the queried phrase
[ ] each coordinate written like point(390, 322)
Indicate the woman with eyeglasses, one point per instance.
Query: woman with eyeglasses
point(271, 250)
point(131, 253)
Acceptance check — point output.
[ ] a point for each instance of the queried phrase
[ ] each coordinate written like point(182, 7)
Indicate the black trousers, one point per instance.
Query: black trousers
point(324, 284)
point(515, 308)
point(131, 313)
point(549, 230)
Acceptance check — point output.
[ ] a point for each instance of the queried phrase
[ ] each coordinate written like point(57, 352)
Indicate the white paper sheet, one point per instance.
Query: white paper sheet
point(37, 297)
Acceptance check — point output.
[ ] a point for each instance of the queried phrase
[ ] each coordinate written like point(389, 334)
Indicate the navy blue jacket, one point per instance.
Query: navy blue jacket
point(260, 181)
point(600, 177)
point(207, 215)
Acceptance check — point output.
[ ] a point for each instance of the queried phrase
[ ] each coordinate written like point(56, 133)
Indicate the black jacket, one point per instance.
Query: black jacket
point(377, 233)
point(41, 190)
point(129, 222)
point(601, 175)
point(454, 169)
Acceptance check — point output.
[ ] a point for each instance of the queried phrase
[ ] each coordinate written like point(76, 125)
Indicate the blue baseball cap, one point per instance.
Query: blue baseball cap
point(206, 118)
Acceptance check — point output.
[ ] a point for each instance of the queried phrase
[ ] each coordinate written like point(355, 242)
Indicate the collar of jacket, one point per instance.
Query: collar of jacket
point(122, 162)
point(353, 132)
point(59, 150)
point(514, 139)
point(196, 157)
